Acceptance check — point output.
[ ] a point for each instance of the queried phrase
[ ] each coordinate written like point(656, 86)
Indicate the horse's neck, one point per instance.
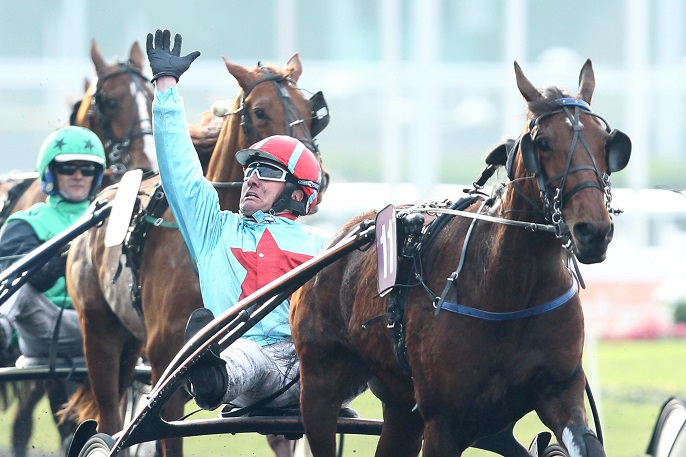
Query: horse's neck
point(515, 258)
point(521, 205)
point(223, 167)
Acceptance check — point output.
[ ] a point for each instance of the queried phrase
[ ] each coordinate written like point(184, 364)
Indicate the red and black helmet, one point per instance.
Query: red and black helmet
point(301, 163)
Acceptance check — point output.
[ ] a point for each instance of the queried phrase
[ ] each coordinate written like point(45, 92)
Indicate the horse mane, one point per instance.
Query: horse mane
point(272, 68)
point(74, 111)
point(546, 104)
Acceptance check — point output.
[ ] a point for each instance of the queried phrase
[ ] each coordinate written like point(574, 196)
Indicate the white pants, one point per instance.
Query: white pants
point(255, 372)
point(35, 319)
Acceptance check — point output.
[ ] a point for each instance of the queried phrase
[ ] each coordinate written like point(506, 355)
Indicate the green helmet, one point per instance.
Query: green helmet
point(65, 145)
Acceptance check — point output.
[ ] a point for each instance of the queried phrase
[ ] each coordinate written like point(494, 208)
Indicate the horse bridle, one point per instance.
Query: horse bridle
point(294, 120)
point(118, 155)
point(617, 153)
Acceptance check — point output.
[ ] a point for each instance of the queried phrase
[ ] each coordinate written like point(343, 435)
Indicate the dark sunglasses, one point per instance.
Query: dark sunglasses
point(65, 168)
point(265, 171)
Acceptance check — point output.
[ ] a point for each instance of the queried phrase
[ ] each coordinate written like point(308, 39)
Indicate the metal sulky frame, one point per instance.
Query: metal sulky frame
point(226, 328)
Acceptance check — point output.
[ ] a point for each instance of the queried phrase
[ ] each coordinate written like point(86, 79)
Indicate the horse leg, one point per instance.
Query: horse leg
point(160, 350)
point(28, 393)
point(564, 413)
point(441, 438)
point(104, 359)
point(327, 377)
point(402, 432)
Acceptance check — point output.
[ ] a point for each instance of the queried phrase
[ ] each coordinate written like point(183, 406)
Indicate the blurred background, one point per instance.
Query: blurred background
point(419, 91)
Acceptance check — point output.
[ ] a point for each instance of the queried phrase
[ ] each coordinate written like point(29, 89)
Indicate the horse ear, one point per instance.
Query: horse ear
point(97, 58)
point(586, 82)
point(528, 91)
point(239, 72)
point(294, 67)
point(136, 55)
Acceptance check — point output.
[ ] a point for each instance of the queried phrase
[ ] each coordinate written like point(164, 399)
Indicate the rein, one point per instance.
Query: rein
point(531, 226)
point(441, 303)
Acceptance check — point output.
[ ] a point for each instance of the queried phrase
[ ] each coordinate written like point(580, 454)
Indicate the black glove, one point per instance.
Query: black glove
point(55, 268)
point(164, 62)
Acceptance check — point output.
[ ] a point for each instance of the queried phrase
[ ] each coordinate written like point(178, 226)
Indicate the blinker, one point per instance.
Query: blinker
point(526, 145)
point(617, 150)
point(320, 114)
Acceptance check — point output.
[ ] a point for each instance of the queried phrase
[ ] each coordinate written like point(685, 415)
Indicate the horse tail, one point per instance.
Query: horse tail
point(80, 407)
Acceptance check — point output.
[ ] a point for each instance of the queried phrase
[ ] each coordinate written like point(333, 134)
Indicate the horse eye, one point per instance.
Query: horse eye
point(542, 145)
point(105, 102)
point(260, 114)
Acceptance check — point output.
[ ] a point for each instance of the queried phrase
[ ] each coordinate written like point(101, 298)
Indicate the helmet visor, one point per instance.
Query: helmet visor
point(265, 171)
point(67, 168)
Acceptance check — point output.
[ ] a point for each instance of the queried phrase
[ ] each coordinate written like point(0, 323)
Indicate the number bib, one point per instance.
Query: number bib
point(386, 249)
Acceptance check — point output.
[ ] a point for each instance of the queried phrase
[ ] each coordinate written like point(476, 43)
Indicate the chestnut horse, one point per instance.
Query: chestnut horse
point(484, 323)
point(269, 103)
point(117, 106)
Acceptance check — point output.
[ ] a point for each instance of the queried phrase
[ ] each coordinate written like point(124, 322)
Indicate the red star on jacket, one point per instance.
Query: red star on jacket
point(267, 263)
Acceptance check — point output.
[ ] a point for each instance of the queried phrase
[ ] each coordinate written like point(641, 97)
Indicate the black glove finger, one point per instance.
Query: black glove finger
point(166, 39)
point(148, 44)
point(158, 39)
point(177, 45)
point(191, 57)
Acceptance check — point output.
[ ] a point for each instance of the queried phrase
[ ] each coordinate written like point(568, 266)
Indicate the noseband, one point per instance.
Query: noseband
point(294, 121)
point(118, 156)
point(617, 149)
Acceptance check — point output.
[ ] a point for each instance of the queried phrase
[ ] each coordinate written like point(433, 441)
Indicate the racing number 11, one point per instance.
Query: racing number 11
point(386, 248)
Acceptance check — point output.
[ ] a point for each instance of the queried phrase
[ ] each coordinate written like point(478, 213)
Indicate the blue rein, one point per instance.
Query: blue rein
point(529, 312)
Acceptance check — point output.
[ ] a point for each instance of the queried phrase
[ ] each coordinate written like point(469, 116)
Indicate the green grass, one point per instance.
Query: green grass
point(634, 378)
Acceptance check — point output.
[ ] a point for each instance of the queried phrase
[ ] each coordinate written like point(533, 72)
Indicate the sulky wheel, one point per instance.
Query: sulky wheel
point(555, 450)
point(98, 445)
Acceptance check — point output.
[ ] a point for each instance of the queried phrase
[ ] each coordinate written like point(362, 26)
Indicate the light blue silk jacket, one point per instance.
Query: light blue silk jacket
point(235, 255)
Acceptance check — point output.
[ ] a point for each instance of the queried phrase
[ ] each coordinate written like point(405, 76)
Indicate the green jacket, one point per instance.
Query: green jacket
point(47, 220)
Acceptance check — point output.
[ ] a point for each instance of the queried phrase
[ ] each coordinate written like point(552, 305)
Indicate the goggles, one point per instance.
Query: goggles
point(66, 168)
point(265, 171)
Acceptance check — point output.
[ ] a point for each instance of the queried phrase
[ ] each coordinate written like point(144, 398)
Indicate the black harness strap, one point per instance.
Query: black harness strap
point(410, 276)
point(146, 218)
point(132, 250)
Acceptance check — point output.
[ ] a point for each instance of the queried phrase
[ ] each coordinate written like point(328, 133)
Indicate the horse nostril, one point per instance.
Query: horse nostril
point(593, 233)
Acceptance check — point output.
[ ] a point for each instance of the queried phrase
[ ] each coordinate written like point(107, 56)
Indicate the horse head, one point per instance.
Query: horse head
point(561, 164)
point(117, 106)
point(269, 103)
